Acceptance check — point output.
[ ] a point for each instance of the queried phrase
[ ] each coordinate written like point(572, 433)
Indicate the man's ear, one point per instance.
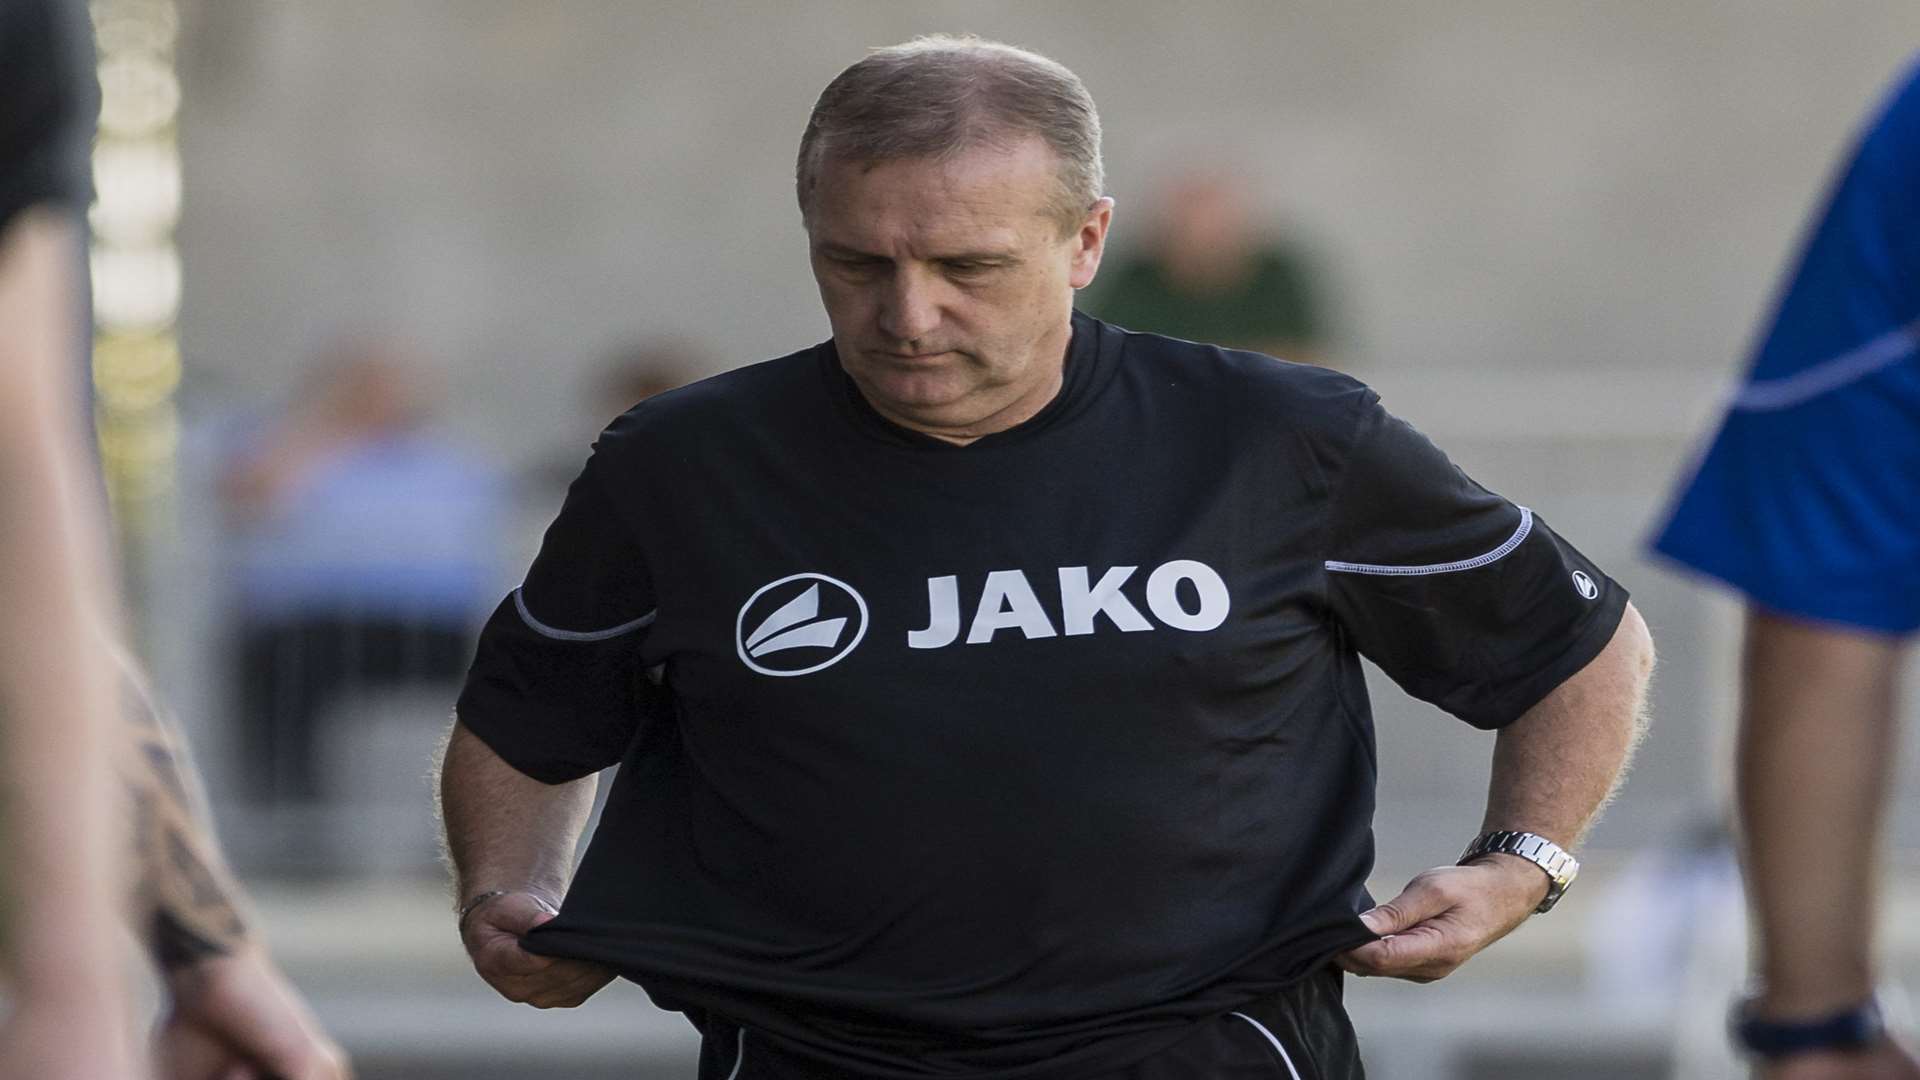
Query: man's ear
point(1090, 242)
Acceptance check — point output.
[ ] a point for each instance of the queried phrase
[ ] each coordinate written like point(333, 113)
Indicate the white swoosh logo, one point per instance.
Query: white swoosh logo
point(825, 634)
point(768, 637)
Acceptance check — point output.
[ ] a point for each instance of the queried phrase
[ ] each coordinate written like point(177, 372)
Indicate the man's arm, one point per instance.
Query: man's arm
point(1815, 752)
point(1553, 770)
point(56, 683)
point(230, 1006)
point(510, 835)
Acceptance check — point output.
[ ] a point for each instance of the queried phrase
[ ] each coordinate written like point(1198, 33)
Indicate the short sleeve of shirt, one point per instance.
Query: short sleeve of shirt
point(48, 100)
point(557, 687)
point(1466, 600)
point(1807, 500)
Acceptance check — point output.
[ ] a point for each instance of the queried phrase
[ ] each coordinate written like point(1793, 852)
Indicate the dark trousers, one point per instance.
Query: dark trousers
point(1300, 1033)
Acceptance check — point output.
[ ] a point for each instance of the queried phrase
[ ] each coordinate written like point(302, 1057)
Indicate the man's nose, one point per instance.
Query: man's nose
point(910, 310)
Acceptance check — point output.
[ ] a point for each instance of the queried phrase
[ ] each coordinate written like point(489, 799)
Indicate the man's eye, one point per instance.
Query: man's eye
point(965, 268)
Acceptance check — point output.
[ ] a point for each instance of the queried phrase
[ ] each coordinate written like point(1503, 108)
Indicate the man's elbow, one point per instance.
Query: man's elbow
point(1634, 659)
point(1636, 644)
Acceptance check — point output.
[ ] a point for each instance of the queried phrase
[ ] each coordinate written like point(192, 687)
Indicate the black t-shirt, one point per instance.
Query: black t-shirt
point(1012, 759)
point(48, 98)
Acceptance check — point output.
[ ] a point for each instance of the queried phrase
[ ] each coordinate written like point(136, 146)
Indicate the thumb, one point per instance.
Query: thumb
point(1415, 904)
point(541, 917)
point(512, 913)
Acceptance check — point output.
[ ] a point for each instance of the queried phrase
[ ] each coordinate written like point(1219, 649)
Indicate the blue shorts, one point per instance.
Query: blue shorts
point(1808, 499)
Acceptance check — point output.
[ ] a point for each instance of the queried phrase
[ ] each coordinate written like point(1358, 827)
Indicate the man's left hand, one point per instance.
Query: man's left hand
point(235, 1016)
point(1445, 915)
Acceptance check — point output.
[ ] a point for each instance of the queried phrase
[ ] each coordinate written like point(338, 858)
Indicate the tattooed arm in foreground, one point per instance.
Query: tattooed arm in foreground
point(233, 1013)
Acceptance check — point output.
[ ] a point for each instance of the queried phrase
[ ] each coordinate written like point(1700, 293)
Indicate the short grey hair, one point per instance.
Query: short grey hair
point(942, 94)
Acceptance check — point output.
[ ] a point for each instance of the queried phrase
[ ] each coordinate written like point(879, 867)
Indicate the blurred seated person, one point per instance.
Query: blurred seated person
point(636, 372)
point(627, 376)
point(1212, 273)
point(366, 556)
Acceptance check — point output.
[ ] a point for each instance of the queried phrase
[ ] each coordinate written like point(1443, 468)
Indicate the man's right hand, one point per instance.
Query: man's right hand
point(492, 936)
point(1887, 1061)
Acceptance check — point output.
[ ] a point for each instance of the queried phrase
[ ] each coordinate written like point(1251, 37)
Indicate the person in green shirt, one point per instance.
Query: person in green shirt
point(1213, 275)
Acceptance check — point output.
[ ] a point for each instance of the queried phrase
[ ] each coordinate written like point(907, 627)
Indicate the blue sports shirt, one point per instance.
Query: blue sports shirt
point(1808, 498)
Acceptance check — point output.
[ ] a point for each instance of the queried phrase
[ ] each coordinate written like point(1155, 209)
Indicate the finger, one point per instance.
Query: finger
point(278, 1040)
point(535, 920)
point(182, 1052)
point(533, 990)
point(589, 983)
point(507, 959)
point(335, 1064)
point(569, 989)
point(578, 983)
point(1422, 953)
point(315, 1061)
point(1373, 959)
point(502, 941)
point(514, 914)
point(1418, 902)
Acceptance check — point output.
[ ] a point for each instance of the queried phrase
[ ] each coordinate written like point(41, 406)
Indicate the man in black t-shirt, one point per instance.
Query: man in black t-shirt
point(986, 681)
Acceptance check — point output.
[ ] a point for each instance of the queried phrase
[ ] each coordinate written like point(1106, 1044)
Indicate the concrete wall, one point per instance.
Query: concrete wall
point(1553, 226)
point(518, 186)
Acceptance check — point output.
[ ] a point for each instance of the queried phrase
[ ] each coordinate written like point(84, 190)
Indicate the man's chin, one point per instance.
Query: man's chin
point(913, 392)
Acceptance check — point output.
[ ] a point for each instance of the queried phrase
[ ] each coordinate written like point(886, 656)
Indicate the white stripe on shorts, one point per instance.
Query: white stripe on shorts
point(1281, 1050)
point(740, 1054)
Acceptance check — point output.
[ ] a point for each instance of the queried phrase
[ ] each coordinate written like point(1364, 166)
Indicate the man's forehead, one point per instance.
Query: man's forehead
point(1003, 193)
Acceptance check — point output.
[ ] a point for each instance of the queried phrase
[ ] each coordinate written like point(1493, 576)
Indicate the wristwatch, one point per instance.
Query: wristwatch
point(1850, 1029)
point(1561, 867)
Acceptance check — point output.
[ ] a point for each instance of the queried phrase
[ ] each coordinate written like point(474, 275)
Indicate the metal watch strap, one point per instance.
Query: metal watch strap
point(1561, 867)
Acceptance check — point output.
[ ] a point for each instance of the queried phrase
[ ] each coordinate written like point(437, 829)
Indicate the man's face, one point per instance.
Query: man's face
point(950, 284)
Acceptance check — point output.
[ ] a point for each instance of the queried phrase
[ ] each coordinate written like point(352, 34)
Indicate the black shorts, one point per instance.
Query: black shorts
point(1300, 1033)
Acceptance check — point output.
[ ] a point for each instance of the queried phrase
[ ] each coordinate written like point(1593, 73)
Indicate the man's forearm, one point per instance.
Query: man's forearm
point(505, 830)
point(1816, 738)
point(187, 902)
point(1556, 767)
point(1553, 769)
point(56, 686)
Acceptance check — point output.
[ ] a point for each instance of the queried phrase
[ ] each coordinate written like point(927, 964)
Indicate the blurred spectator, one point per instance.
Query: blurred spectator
point(627, 376)
point(1212, 273)
point(638, 371)
point(367, 550)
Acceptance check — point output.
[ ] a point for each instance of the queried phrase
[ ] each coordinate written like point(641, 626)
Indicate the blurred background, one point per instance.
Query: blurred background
point(370, 276)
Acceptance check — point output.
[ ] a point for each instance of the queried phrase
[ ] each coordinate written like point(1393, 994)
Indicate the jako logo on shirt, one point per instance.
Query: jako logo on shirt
point(807, 622)
point(799, 625)
point(1585, 584)
point(1008, 602)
